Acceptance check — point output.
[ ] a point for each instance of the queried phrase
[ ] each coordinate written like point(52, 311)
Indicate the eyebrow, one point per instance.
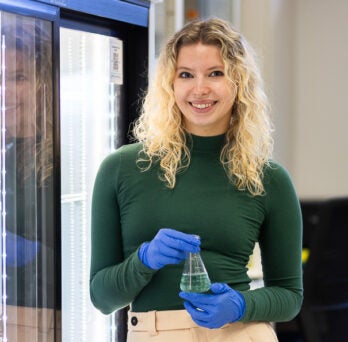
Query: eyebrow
point(210, 68)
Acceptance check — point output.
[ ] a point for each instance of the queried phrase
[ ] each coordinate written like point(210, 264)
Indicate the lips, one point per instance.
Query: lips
point(202, 105)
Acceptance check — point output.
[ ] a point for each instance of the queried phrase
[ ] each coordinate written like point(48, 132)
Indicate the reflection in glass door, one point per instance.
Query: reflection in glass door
point(91, 90)
point(27, 230)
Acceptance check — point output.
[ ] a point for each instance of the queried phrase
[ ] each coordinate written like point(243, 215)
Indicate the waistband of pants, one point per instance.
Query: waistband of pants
point(160, 320)
point(153, 321)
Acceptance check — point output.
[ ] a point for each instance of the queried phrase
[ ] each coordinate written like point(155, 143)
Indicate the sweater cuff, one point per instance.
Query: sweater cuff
point(143, 269)
point(249, 305)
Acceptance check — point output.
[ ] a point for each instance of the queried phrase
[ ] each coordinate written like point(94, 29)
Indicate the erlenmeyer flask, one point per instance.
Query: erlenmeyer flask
point(194, 277)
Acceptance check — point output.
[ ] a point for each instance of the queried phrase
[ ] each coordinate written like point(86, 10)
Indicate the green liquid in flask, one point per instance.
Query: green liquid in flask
point(194, 277)
point(199, 282)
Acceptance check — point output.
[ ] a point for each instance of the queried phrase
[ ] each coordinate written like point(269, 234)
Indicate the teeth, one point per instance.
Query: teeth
point(201, 105)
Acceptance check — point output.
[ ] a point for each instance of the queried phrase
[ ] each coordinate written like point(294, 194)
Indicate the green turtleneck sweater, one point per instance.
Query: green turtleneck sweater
point(129, 207)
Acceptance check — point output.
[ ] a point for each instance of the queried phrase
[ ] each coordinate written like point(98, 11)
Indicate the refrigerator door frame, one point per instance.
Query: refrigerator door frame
point(30, 8)
point(135, 39)
point(133, 12)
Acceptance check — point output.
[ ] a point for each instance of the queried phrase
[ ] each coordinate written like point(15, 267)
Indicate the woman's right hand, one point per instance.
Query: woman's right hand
point(20, 251)
point(169, 246)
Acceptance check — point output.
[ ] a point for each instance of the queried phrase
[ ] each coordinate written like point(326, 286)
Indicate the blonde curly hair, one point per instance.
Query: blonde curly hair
point(31, 38)
point(160, 128)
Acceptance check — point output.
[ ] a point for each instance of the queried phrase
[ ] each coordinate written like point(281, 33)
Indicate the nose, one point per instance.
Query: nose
point(201, 86)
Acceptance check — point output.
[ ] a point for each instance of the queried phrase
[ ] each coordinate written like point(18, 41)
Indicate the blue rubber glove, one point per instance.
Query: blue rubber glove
point(169, 246)
point(223, 306)
point(20, 251)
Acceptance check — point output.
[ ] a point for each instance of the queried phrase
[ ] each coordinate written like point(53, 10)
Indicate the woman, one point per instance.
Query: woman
point(201, 167)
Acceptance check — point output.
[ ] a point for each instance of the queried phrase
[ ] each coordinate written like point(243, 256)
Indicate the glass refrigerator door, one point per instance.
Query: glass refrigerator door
point(91, 92)
point(27, 230)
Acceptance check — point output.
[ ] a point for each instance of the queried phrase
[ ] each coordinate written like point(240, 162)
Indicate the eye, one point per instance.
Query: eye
point(216, 73)
point(21, 77)
point(185, 74)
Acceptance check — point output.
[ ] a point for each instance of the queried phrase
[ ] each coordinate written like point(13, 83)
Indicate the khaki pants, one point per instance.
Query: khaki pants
point(26, 324)
point(177, 326)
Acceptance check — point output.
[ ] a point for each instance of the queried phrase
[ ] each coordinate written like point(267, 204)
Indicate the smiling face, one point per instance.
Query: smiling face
point(20, 94)
point(202, 92)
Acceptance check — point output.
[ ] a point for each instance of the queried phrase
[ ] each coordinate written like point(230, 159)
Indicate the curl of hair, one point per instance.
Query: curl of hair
point(160, 128)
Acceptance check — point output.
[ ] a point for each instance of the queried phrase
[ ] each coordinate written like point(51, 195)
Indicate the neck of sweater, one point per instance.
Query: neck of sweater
point(206, 144)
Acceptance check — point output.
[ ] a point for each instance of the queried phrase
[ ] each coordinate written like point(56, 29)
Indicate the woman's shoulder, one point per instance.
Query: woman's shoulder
point(124, 154)
point(280, 192)
point(276, 174)
point(129, 150)
point(274, 167)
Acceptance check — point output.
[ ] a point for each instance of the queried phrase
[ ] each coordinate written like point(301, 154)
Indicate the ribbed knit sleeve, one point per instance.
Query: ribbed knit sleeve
point(280, 243)
point(114, 280)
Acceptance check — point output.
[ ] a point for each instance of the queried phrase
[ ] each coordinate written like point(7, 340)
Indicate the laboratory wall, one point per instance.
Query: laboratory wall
point(303, 53)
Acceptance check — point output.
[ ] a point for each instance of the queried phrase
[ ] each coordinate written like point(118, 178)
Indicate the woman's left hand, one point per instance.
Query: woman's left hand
point(224, 305)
